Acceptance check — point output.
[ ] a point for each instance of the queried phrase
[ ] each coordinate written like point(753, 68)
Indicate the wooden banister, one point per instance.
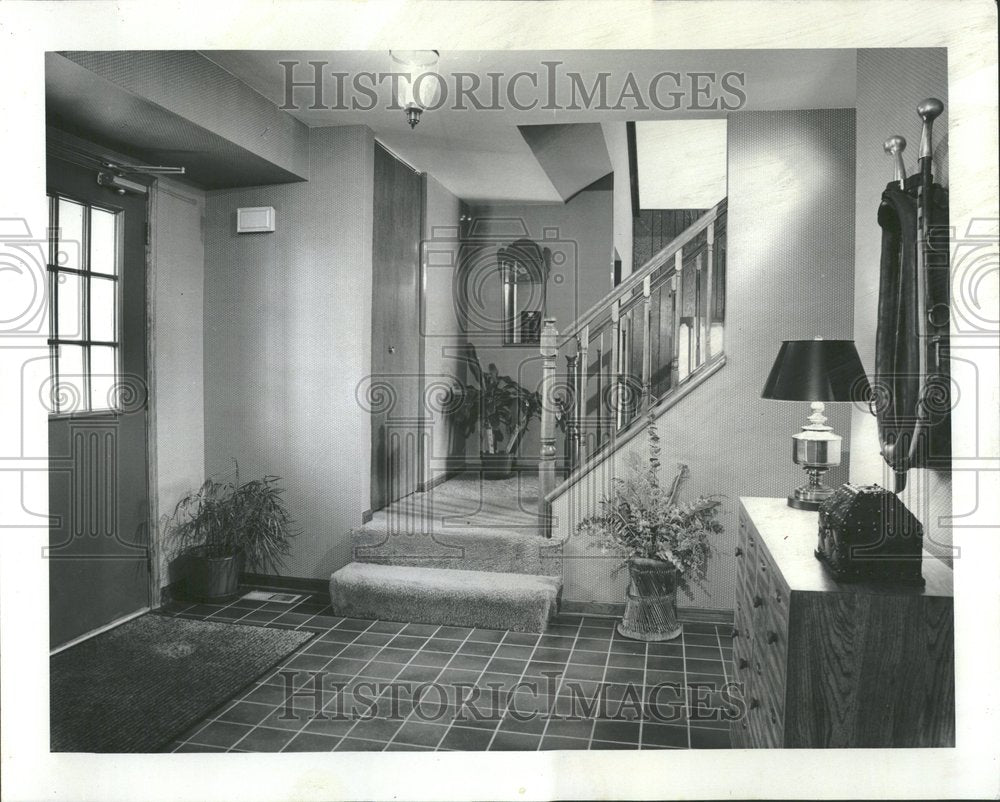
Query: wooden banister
point(658, 260)
point(604, 409)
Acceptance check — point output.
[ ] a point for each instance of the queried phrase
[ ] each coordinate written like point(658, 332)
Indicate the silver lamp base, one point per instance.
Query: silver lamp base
point(808, 501)
point(816, 448)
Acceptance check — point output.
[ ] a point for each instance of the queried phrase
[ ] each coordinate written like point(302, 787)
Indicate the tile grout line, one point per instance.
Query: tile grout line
point(302, 729)
point(687, 694)
point(481, 673)
point(441, 670)
point(373, 660)
point(604, 675)
point(645, 695)
point(510, 696)
point(468, 638)
point(562, 680)
point(330, 660)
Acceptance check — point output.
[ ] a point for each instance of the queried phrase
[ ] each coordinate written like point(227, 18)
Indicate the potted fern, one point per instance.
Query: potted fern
point(224, 528)
point(502, 409)
point(666, 543)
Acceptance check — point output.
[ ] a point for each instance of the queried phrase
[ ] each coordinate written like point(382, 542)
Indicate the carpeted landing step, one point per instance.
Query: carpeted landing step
point(488, 599)
point(469, 548)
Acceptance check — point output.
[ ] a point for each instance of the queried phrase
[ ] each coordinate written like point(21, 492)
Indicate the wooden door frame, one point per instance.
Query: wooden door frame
point(154, 546)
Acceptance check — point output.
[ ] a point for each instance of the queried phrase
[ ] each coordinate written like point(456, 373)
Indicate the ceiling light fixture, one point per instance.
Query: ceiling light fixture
point(420, 86)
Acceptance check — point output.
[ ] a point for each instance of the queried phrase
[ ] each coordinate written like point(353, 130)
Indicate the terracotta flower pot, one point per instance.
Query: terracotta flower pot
point(651, 601)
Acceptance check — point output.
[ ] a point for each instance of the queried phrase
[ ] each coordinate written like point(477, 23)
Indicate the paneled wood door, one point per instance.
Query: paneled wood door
point(98, 458)
point(396, 355)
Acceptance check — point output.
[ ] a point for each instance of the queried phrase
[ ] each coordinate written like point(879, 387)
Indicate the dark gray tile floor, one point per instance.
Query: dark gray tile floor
point(390, 685)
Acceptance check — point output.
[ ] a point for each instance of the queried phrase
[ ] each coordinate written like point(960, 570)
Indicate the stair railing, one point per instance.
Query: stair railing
point(641, 346)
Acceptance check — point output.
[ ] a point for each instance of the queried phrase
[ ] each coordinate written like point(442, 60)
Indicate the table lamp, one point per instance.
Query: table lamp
point(816, 370)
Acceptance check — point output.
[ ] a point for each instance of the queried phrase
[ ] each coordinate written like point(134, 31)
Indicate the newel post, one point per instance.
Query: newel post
point(547, 457)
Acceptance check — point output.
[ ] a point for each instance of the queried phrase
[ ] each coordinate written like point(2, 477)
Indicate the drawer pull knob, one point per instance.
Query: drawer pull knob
point(754, 703)
point(774, 718)
point(772, 637)
point(777, 598)
point(743, 663)
point(739, 552)
point(735, 633)
point(757, 601)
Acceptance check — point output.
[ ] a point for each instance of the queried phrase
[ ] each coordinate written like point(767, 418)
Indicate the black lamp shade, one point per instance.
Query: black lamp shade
point(817, 370)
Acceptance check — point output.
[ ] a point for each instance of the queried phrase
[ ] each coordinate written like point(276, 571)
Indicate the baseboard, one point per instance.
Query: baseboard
point(366, 516)
point(451, 472)
point(691, 615)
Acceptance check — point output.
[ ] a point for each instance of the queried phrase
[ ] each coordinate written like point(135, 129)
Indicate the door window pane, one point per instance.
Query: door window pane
point(102, 309)
point(69, 322)
point(84, 306)
point(70, 388)
point(70, 235)
point(103, 377)
point(103, 242)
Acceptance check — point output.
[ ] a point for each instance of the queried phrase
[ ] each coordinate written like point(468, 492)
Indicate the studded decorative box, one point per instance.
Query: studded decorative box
point(867, 533)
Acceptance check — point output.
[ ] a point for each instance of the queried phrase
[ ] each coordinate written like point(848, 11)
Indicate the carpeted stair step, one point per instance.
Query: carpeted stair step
point(469, 548)
point(488, 599)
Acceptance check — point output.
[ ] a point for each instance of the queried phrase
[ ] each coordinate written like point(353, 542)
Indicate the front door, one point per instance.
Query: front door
point(396, 362)
point(98, 488)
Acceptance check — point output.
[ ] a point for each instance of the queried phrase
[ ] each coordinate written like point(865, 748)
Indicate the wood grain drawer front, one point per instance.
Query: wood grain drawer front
point(746, 577)
point(841, 665)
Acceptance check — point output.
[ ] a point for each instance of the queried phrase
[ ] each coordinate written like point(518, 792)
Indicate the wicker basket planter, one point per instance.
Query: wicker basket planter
point(651, 601)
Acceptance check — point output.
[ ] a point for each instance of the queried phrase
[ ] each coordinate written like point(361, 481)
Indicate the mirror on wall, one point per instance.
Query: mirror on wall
point(524, 272)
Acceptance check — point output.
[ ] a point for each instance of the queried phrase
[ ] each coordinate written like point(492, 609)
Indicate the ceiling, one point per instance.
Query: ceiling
point(86, 105)
point(497, 153)
point(480, 154)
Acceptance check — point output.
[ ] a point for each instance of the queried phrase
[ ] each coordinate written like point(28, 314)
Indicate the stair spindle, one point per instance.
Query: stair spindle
point(709, 278)
point(570, 411)
point(677, 291)
point(615, 383)
point(582, 345)
point(547, 456)
point(647, 381)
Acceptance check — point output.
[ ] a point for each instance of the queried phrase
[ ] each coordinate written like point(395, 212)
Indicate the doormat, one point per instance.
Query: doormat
point(140, 685)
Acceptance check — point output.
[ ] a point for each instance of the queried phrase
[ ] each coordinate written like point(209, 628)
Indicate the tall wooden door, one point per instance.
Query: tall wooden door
point(98, 468)
point(396, 356)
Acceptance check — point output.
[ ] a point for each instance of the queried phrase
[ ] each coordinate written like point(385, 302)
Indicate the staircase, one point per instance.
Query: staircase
point(471, 552)
point(468, 552)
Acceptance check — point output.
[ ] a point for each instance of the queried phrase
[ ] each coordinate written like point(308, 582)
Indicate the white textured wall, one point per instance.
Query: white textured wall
point(789, 276)
point(579, 234)
point(288, 339)
point(616, 138)
point(890, 84)
point(177, 291)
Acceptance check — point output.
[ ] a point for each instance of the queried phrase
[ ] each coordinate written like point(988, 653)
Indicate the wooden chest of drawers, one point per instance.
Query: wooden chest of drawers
point(828, 664)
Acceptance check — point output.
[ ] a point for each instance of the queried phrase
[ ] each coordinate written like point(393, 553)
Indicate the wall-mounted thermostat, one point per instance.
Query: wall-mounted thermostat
point(254, 218)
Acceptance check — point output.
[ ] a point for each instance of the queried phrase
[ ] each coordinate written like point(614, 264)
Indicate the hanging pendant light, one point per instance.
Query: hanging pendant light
point(419, 87)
